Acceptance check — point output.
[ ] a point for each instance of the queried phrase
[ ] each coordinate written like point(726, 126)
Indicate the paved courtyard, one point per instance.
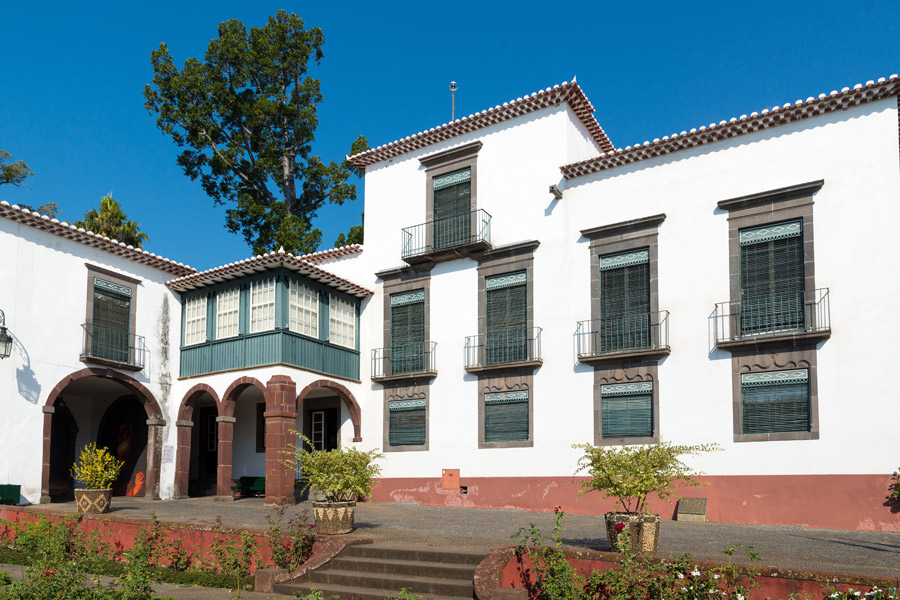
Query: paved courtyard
point(786, 547)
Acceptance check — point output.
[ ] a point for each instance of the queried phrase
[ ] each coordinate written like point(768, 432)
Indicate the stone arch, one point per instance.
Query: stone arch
point(226, 431)
point(345, 396)
point(155, 424)
point(234, 390)
point(184, 426)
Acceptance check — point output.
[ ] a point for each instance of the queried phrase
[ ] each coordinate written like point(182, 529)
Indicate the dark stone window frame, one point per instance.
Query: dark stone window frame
point(616, 238)
point(131, 283)
point(397, 393)
point(448, 161)
point(510, 380)
point(790, 203)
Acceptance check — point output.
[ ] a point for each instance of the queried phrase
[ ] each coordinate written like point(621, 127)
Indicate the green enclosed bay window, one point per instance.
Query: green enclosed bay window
point(772, 278)
point(406, 423)
point(625, 301)
point(775, 402)
point(506, 417)
point(452, 205)
point(627, 410)
point(506, 318)
point(407, 332)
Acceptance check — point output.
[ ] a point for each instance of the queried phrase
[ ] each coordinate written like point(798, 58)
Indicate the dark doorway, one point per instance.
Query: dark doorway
point(123, 431)
point(205, 458)
point(320, 426)
point(63, 437)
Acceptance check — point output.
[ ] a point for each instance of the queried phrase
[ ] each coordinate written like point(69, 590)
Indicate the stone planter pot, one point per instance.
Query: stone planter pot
point(643, 531)
point(93, 502)
point(334, 518)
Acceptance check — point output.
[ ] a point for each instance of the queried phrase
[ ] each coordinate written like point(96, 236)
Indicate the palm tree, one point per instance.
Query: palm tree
point(110, 220)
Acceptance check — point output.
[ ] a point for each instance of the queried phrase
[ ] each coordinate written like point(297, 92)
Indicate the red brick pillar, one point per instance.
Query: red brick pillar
point(155, 427)
point(182, 458)
point(45, 462)
point(281, 417)
point(223, 471)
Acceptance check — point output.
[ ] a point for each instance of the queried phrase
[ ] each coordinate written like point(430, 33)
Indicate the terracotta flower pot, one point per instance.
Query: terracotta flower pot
point(643, 531)
point(93, 501)
point(334, 518)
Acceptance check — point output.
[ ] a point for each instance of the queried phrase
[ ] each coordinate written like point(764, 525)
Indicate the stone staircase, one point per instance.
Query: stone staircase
point(374, 571)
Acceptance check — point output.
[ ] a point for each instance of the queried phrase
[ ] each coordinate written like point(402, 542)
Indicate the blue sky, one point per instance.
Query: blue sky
point(72, 77)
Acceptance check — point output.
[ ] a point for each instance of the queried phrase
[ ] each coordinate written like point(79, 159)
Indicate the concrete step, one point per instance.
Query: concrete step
point(345, 592)
point(391, 566)
point(464, 556)
point(386, 581)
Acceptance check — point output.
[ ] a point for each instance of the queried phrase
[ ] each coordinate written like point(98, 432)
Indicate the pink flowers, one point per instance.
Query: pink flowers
point(620, 527)
point(557, 508)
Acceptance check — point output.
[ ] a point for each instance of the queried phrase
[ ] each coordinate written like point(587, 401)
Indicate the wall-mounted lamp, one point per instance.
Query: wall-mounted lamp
point(5, 337)
point(557, 193)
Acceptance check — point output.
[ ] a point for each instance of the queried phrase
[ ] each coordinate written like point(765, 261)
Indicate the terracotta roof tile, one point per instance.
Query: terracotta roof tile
point(332, 253)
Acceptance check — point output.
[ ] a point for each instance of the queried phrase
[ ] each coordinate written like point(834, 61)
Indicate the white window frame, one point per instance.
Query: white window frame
point(342, 322)
point(195, 320)
point(228, 313)
point(262, 305)
point(303, 309)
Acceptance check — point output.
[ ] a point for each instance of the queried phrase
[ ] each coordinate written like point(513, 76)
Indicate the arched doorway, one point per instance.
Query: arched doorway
point(111, 409)
point(240, 422)
point(323, 395)
point(197, 458)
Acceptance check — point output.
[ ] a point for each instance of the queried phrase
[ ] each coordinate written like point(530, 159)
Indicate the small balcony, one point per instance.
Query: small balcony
point(404, 362)
point(800, 317)
point(642, 336)
point(113, 347)
point(446, 239)
point(508, 348)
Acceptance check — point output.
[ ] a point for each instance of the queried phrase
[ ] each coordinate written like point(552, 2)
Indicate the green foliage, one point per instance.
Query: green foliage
point(552, 576)
point(51, 209)
point(876, 593)
point(110, 220)
point(403, 594)
point(13, 172)
point(96, 468)
point(314, 594)
point(290, 548)
point(5, 578)
point(631, 473)
point(246, 117)
point(354, 236)
point(894, 489)
point(235, 557)
point(341, 474)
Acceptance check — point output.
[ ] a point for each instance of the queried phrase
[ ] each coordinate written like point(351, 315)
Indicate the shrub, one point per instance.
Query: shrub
point(551, 576)
point(290, 548)
point(96, 468)
point(341, 474)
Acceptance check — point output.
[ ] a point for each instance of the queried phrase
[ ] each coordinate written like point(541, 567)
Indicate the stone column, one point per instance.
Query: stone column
point(223, 471)
point(155, 428)
point(182, 458)
point(281, 417)
point(45, 463)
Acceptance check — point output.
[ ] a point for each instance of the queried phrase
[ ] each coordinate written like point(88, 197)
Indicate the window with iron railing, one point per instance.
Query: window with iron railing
point(625, 301)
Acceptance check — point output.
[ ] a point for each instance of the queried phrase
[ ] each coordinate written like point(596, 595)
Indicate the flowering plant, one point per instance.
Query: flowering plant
point(96, 468)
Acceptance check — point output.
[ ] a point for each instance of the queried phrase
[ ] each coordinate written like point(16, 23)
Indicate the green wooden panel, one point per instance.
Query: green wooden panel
point(506, 420)
point(772, 286)
point(407, 337)
point(506, 336)
point(627, 416)
point(452, 206)
point(406, 427)
point(625, 307)
point(775, 408)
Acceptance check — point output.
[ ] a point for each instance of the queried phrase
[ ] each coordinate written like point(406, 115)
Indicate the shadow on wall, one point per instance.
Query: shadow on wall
point(26, 382)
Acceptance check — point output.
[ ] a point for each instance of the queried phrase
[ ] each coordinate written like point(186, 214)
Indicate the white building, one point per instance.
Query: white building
point(541, 289)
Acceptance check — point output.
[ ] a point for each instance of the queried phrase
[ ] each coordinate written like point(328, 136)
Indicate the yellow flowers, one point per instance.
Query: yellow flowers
point(96, 468)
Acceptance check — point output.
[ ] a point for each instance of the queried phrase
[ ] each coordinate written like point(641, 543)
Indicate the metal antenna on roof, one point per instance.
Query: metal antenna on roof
point(453, 88)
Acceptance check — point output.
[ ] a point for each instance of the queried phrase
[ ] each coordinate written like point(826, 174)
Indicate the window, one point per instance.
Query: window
point(625, 301)
point(227, 313)
point(506, 319)
point(304, 309)
point(775, 402)
point(627, 410)
point(772, 279)
point(111, 320)
point(506, 417)
point(406, 425)
point(195, 320)
point(452, 207)
point(342, 322)
point(407, 332)
point(262, 305)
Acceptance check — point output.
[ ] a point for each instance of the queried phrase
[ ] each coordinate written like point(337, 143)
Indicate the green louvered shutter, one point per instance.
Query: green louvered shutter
point(110, 320)
point(452, 205)
point(772, 278)
point(627, 410)
point(406, 425)
point(775, 402)
point(407, 332)
point(506, 417)
point(506, 338)
point(625, 301)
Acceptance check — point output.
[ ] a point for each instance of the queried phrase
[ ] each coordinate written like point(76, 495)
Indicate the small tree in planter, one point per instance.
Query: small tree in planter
point(96, 469)
point(342, 475)
point(630, 474)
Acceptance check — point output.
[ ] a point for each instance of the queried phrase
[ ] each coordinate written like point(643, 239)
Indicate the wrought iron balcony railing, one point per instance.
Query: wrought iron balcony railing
point(512, 345)
point(622, 335)
point(469, 229)
point(801, 313)
point(408, 359)
point(112, 345)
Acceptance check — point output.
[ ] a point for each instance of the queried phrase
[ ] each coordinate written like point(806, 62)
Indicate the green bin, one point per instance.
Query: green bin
point(9, 494)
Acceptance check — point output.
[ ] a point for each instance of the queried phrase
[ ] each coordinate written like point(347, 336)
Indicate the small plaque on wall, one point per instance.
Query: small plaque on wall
point(168, 453)
point(692, 509)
